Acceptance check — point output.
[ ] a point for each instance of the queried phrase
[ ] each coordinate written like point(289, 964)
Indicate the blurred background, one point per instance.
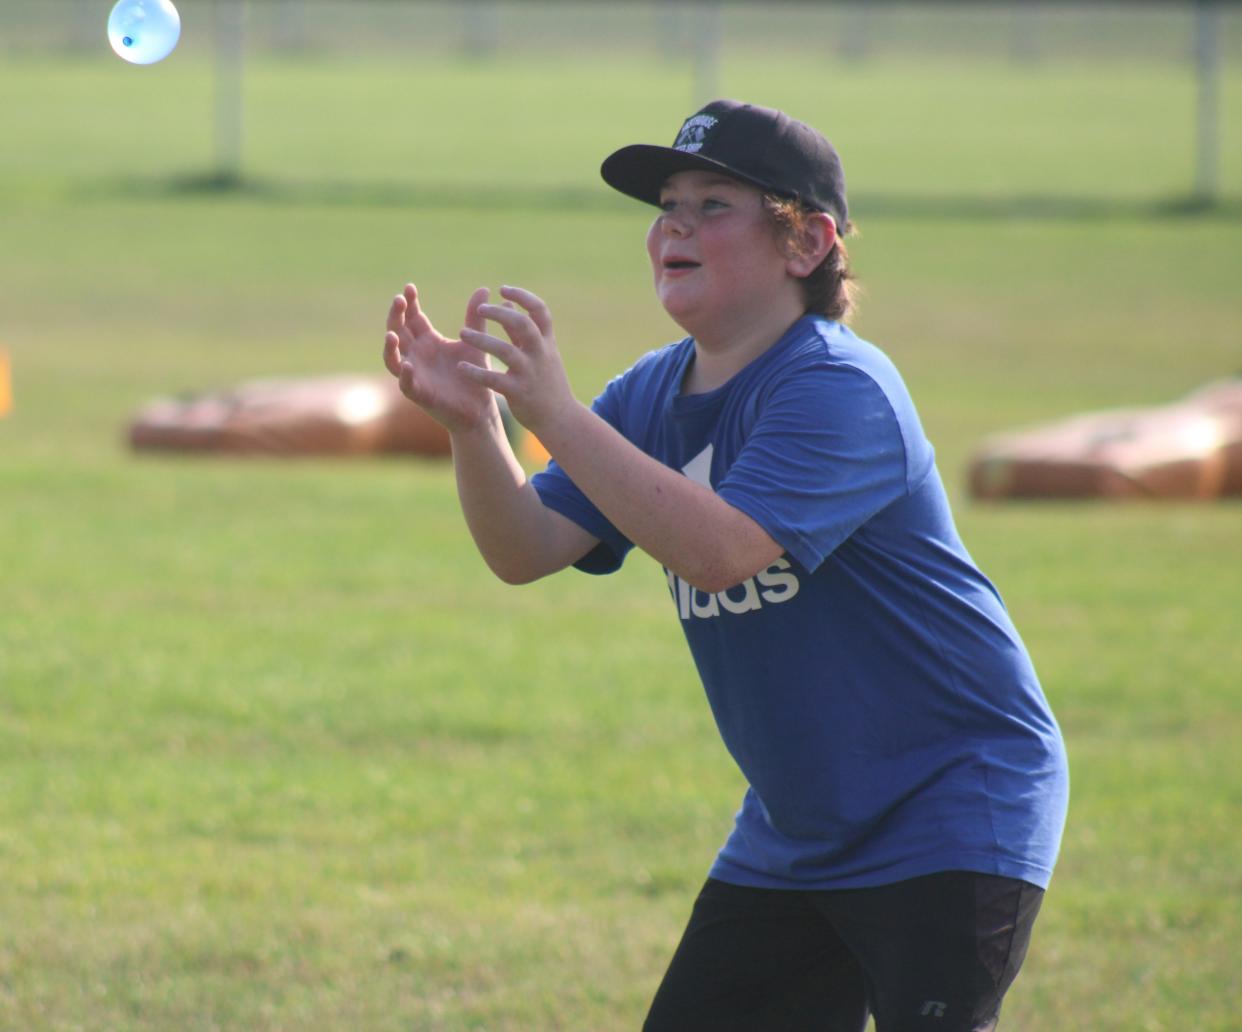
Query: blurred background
point(277, 752)
point(1069, 61)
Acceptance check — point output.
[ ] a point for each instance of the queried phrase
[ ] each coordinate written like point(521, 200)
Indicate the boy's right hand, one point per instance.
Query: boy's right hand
point(424, 361)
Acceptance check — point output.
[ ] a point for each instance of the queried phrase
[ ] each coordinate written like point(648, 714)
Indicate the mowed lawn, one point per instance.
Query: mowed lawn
point(276, 751)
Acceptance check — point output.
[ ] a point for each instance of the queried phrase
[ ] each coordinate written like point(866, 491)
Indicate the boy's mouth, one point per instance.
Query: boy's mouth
point(680, 263)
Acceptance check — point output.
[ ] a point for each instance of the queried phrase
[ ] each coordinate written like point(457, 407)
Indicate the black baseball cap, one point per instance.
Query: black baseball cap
point(758, 145)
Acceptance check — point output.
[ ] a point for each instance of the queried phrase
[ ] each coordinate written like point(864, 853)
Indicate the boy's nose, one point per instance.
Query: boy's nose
point(674, 225)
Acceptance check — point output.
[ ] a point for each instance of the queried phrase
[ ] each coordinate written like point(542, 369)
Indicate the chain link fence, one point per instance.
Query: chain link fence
point(1013, 30)
point(1198, 44)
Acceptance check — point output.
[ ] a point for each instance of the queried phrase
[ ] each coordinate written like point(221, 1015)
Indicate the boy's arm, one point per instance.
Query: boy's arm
point(518, 537)
point(684, 525)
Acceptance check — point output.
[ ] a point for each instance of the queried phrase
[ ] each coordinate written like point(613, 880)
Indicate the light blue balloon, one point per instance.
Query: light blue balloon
point(144, 31)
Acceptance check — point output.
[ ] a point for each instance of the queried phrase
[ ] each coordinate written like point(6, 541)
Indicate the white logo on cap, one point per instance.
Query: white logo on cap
point(694, 132)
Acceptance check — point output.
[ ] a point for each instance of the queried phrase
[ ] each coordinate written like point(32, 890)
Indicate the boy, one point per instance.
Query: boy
point(907, 780)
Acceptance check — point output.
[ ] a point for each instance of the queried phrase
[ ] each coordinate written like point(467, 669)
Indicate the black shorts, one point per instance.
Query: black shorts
point(932, 954)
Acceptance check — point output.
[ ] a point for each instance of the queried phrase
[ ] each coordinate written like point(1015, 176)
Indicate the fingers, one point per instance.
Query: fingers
point(409, 384)
point(415, 320)
point(406, 322)
point(394, 344)
point(474, 320)
point(490, 378)
point(534, 305)
point(504, 350)
point(404, 312)
point(517, 324)
point(392, 353)
point(525, 320)
point(396, 313)
point(520, 325)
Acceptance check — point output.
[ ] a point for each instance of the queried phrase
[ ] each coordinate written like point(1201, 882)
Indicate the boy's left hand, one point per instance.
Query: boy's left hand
point(534, 384)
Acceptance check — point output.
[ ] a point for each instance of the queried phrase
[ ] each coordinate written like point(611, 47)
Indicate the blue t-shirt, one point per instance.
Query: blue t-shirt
point(869, 683)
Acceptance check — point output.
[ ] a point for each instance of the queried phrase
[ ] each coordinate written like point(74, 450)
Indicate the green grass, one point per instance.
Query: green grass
point(276, 752)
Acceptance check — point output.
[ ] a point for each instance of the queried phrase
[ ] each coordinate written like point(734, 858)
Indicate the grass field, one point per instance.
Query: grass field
point(276, 752)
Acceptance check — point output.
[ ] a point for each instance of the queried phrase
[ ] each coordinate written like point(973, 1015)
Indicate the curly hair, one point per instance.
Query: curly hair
point(831, 288)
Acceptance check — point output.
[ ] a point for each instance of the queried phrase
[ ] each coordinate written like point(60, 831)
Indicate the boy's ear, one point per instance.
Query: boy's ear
point(812, 244)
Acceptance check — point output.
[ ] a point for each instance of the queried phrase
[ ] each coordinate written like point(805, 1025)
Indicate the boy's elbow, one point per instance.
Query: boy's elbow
point(711, 580)
point(714, 584)
point(731, 567)
point(514, 576)
point(514, 570)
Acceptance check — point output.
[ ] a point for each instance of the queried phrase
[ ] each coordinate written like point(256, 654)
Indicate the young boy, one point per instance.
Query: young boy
point(908, 782)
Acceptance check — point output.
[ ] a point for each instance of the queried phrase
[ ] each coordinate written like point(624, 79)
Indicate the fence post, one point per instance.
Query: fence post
point(230, 24)
point(705, 36)
point(1207, 72)
point(857, 31)
point(289, 26)
point(1024, 41)
point(481, 24)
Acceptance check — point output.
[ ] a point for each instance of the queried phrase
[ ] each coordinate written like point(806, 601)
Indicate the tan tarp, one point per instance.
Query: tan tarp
point(330, 415)
point(1189, 449)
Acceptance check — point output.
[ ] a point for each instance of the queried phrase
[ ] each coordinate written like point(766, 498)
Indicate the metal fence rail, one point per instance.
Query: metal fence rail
point(1018, 30)
point(1202, 36)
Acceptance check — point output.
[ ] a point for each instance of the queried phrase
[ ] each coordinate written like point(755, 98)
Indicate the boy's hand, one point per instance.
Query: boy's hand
point(534, 384)
point(429, 365)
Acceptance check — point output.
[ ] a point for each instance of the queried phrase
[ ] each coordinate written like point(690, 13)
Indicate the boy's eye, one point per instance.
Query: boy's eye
point(707, 204)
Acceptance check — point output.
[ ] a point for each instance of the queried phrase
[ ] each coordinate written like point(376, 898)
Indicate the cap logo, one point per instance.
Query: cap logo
point(694, 133)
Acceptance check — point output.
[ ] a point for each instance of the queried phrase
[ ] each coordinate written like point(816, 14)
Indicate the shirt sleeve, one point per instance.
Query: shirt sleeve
point(559, 493)
point(825, 454)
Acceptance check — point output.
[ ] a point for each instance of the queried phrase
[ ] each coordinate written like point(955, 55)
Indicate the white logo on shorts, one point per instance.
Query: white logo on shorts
point(933, 1009)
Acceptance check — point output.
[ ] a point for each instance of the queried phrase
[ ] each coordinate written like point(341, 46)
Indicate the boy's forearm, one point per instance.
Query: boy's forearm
point(684, 525)
point(506, 518)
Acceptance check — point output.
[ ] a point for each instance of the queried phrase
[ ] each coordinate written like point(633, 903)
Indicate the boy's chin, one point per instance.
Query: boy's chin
point(680, 311)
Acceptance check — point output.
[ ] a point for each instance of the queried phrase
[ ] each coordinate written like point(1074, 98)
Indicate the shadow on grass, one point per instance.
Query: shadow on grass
point(597, 197)
point(339, 193)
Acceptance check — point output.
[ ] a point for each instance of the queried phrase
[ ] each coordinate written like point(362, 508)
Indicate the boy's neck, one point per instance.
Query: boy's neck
point(718, 357)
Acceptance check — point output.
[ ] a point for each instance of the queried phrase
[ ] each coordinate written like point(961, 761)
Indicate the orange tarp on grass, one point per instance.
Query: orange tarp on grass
point(1188, 449)
point(327, 415)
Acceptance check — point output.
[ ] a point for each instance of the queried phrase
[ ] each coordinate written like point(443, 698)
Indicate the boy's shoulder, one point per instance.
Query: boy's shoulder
point(671, 354)
point(655, 367)
point(826, 353)
point(828, 368)
point(818, 338)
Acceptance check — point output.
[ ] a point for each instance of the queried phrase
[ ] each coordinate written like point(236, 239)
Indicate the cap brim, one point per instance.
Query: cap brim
point(641, 169)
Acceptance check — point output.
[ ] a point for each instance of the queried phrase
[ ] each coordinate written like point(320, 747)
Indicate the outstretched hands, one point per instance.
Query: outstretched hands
point(453, 379)
point(426, 362)
point(534, 382)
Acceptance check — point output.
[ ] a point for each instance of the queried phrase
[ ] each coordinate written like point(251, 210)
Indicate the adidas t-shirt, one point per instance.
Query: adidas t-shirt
point(869, 683)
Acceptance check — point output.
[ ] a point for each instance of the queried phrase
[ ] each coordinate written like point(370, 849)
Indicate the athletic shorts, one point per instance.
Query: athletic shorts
point(931, 954)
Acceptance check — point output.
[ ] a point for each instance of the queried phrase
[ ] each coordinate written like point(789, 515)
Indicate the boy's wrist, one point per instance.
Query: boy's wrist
point(489, 425)
point(560, 426)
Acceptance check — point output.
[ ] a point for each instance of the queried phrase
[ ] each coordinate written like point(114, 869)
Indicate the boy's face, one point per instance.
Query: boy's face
point(714, 252)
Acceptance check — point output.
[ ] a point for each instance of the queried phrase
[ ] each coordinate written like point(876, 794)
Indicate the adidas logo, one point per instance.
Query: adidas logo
point(772, 586)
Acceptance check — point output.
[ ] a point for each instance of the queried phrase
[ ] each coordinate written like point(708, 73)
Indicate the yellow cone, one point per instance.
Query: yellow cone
point(6, 384)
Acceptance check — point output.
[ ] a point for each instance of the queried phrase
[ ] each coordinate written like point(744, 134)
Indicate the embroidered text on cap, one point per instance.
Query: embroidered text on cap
point(694, 133)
